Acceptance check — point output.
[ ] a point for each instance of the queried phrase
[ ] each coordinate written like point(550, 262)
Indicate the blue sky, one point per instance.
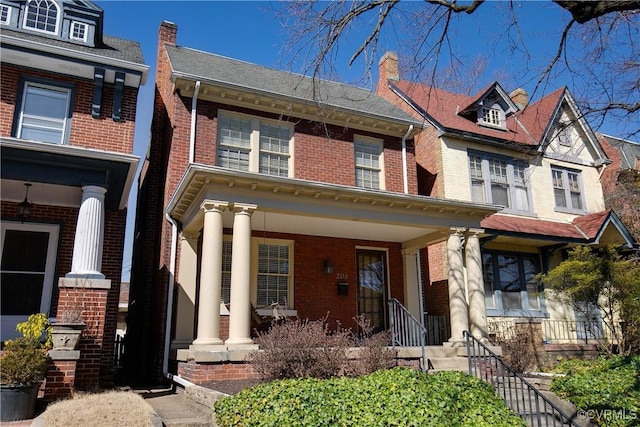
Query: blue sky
point(251, 31)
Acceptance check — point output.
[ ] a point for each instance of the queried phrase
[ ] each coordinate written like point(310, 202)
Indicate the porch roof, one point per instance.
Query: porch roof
point(313, 208)
point(597, 228)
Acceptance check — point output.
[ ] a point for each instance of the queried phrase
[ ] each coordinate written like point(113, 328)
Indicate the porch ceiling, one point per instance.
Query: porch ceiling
point(303, 207)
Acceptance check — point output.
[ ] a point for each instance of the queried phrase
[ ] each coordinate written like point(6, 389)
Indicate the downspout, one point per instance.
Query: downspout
point(192, 137)
point(405, 179)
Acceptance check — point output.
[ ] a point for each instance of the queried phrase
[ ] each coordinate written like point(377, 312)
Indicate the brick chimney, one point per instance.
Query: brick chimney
point(520, 97)
point(167, 33)
point(388, 67)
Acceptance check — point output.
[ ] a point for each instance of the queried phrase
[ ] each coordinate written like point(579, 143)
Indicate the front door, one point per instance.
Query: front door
point(27, 268)
point(372, 287)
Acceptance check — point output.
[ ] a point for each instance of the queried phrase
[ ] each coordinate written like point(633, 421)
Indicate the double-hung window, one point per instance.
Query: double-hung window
point(272, 275)
point(250, 144)
point(368, 161)
point(567, 189)
point(510, 285)
point(42, 15)
point(499, 180)
point(44, 113)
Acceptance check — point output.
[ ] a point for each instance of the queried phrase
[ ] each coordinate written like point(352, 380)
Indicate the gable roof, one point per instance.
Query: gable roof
point(442, 109)
point(629, 152)
point(232, 73)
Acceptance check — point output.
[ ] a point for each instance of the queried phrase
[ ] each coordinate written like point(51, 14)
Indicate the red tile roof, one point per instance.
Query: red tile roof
point(584, 227)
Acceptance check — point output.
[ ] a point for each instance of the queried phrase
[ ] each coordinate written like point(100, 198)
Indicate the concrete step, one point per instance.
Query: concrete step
point(176, 410)
point(450, 363)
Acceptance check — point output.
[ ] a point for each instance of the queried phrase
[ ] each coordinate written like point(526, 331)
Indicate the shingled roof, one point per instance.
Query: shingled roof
point(113, 47)
point(215, 69)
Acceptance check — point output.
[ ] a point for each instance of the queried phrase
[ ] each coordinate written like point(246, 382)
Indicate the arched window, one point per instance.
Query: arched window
point(42, 15)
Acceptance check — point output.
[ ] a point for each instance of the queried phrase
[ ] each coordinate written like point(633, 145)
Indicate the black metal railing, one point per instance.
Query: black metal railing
point(436, 326)
point(406, 330)
point(559, 331)
point(517, 393)
point(118, 351)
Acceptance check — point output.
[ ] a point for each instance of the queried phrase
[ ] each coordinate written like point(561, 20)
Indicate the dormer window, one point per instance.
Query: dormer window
point(491, 114)
point(5, 14)
point(42, 15)
point(78, 31)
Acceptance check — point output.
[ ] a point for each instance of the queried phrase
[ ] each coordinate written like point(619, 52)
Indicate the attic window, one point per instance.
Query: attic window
point(78, 31)
point(5, 14)
point(42, 15)
point(491, 113)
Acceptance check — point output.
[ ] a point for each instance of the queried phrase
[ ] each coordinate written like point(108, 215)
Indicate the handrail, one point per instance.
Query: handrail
point(406, 330)
point(517, 393)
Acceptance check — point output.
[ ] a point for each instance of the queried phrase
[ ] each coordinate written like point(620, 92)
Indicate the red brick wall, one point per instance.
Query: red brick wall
point(113, 136)
point(101, 306)
point(60, 380)
point(202, 373)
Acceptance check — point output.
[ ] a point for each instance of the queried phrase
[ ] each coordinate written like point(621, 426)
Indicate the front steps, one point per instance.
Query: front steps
point(440, 358)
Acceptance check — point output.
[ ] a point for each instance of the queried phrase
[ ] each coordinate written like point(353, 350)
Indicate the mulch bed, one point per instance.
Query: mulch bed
point(231, 386)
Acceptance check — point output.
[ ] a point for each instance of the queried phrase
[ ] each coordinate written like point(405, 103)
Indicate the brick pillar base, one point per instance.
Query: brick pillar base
point(61, 374)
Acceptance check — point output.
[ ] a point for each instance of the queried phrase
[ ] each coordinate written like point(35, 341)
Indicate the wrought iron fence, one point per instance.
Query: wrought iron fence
point(517, 393)
point(559, 331)
point(118, 351)
point(436, 326)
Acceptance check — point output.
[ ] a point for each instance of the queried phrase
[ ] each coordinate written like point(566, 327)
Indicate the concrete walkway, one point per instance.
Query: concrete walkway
point(176, 406)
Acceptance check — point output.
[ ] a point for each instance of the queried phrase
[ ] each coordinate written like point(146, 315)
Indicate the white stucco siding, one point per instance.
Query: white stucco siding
point(543, 194)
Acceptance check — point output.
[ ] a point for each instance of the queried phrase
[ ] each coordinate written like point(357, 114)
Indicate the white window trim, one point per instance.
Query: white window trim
point(494, 106)
point(254, 148)
point(567, 190)
point(376, 141)
point(525, 311)
point(50, 267)
point(288, 310)
point(511, 180)
point(59, 15)
point(65, 124)
point(8, 9)
point(86, 31)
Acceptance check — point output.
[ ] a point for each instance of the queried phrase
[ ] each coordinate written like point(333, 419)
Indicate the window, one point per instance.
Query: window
point(567, 189)
point(251, 144)
point(42, 15)
point(44, 114)
point(368, 161)
point(78, 31)
point(499, 180)
point(491, 113)
point(272, 276)
point(491, 116)
point(5, 14)
point(564, 134)
point(510, 286)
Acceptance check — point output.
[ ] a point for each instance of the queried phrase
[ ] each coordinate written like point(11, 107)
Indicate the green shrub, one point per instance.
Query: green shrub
point(393, 397)
point(607, 389)
point(24, 359)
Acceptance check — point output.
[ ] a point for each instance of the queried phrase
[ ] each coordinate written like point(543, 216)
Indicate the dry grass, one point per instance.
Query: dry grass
point(112, 408)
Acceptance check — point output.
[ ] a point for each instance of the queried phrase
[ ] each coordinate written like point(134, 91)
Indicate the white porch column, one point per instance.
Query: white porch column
point(411, 283)
point(457, 295)
point(87, 246)
point(210, 276)
point(475, 282)
point(186, 291)
point(240, 301)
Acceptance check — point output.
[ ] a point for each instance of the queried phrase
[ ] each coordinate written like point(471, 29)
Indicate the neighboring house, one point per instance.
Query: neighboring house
point(265, 187)
point(541, 161)
point(67, 116)
point(621, 180)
